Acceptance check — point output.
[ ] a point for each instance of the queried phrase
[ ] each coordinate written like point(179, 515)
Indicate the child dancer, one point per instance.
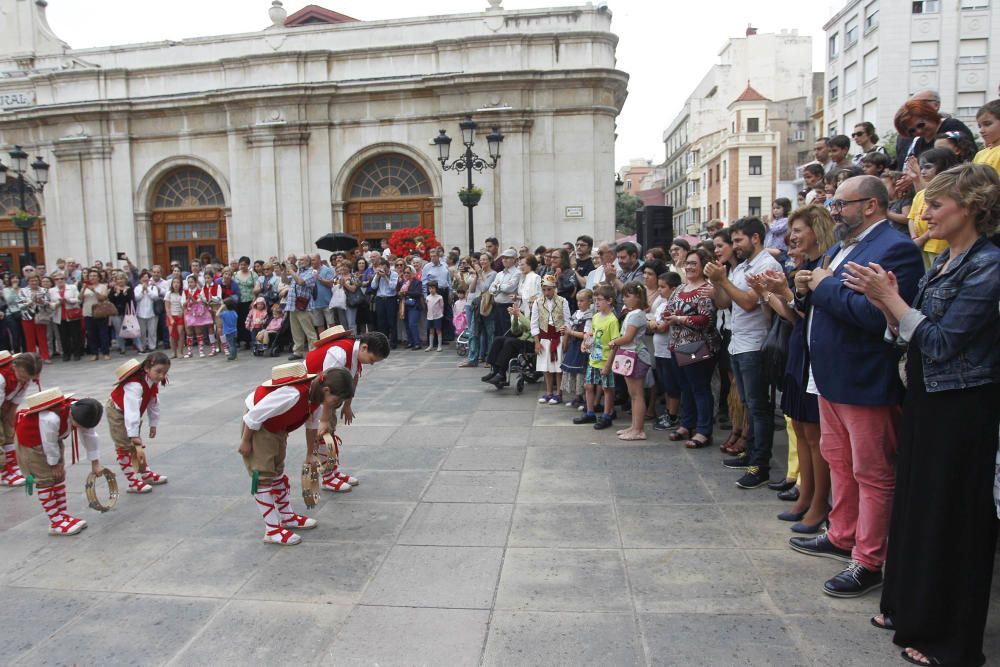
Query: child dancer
point(136, 394)
point(435, 315)
point(228, 317)
point(174, 305)
point(574, 362)
point(215, 294)
point(335, 348)
point(42, 426)
point(597, 344)
point(276, 408)
point(549, 315)
point(16, 372)
point(197, 316)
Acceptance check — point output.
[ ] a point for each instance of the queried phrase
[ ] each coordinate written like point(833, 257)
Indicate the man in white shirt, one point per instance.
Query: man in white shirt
point(606, 255)
point(749, 326)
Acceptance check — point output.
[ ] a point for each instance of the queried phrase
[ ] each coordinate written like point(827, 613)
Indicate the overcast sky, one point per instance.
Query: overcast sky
point(666, 46)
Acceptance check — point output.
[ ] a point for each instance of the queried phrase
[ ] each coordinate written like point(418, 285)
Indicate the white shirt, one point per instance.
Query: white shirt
point(749, 326)
point(132, 400)
point(16, 394)
point(144, 300)
point(595, 277)
point(278, 402)
point(837, 260)
point(505, 285)
point(661, 341)
point(48, 428)
point(551, 303)
point(531, 287)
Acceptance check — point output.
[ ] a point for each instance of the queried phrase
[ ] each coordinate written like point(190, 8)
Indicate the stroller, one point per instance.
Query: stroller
point(462, 343)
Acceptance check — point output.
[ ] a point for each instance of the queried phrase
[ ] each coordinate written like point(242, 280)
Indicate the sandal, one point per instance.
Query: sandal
point(677, 436)
point(738, 447)
point(730, 441)
point(633, 436)
point(931, 660)
point(886, 623)
point(694, 443)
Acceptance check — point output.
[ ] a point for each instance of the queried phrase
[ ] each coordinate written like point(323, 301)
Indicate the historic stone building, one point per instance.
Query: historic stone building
point(259, 143)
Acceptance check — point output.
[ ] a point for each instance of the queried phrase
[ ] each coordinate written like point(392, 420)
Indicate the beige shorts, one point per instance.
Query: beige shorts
point(267, 455)
point(32, 461)
point(116, 425)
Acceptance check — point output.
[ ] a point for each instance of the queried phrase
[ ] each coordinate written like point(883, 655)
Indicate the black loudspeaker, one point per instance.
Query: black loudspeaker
point(655, 229)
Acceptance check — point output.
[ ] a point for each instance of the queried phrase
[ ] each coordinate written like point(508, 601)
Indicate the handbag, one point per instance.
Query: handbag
point(130, 324)
point(774, 351)
point(103, 309)
point(485, 303)
point(686, 354)
point(355, 298)
point(624, 363)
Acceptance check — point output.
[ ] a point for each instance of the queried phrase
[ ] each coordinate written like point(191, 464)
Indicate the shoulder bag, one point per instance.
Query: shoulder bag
point(70, 313)
point(130, 323)
point(774, 350)
point(686, 354)
point(485, 303)
point(624, 363)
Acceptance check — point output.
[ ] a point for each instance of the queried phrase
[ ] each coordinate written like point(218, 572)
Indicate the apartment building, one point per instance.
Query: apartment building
point(879, 52)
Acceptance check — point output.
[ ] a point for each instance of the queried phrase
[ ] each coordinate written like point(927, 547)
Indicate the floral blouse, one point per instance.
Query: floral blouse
point(696, 304)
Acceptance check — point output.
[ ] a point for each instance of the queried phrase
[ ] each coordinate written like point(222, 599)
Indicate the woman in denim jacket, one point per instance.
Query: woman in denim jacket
point(944, 527)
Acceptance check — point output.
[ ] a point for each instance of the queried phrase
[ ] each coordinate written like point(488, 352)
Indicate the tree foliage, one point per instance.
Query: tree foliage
point(625, 207)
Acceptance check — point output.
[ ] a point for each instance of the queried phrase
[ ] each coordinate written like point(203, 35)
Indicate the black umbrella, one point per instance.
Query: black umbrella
point(337, 241)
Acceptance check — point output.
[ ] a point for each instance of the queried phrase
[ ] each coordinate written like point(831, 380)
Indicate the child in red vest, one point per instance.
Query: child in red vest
point(135, 395)
point(276, 408)
point(335, 348)
point(16, 373)
point(42, 426)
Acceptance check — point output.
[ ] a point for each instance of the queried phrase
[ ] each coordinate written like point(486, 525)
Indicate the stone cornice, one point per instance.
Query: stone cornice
point(277, 135)
point(82, 148)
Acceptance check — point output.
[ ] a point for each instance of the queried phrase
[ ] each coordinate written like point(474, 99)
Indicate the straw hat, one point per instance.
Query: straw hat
point(549, 281)
point(44, 400)
point(127, 370)
point(5, 357)
point(332, 334)
point(285, 374)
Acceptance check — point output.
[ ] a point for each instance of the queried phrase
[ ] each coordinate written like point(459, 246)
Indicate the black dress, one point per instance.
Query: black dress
point(943, 534)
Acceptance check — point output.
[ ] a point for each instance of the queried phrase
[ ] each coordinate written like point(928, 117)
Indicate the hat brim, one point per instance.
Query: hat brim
point(6, 361)
point(48, 404)
point(289, 381)
point(329, 339)
point(128, 375)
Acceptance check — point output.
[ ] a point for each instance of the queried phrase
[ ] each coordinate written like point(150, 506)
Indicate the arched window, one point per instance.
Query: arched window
point(389, 175)
point(10, 201)
point(188, 187)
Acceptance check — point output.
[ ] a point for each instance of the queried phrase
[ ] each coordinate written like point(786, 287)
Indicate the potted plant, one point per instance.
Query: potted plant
point(24, 220)
point(470, 196)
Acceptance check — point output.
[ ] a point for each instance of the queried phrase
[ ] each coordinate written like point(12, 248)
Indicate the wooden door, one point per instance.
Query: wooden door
point(12, 244)
point(375, 220)
point(185, 234)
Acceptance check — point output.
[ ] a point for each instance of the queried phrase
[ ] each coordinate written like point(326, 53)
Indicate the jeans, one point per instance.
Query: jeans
point(386, 314)
point(413, 325)
point(501, 319)
point(98, 335)
point(352, 320)
point(231, 340)
point(753, 390)
point(696, 396)
point(471, 313)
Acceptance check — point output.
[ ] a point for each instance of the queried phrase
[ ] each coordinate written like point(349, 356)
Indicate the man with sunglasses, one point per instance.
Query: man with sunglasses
point(854, 372)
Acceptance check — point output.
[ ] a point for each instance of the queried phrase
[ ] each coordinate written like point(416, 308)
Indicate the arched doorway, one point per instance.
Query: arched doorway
point(11, 236)
point(188, 218)
point(386, 193)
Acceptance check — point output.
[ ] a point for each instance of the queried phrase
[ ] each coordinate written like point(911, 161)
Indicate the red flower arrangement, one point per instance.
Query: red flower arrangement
point(404, 241)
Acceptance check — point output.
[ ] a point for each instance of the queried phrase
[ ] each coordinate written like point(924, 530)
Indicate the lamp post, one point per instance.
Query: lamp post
point(469, 161)
point(23, 219)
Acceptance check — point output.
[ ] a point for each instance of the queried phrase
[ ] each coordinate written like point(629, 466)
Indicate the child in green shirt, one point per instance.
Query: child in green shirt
point(597, 344)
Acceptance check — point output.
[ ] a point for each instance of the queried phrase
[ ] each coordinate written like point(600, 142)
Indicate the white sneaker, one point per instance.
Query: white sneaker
point(428, 348)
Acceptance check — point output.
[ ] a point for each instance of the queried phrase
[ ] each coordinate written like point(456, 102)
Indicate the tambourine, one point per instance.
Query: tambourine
point(310, 484)
point(329, 452)
point(139, 458)
point(90, 488)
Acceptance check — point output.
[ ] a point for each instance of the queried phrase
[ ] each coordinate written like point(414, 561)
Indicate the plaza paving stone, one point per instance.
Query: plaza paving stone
point(487, 530)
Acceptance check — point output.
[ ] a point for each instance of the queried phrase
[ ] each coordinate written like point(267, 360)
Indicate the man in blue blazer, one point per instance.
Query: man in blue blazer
point(855, 373)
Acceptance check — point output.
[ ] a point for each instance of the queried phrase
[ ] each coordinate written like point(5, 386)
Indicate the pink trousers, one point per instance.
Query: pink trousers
point(859, 444)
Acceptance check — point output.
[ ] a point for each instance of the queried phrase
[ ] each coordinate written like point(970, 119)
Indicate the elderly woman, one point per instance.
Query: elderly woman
point(478, 281)
point(36, 313)
point(531, 283)
point(942, 538)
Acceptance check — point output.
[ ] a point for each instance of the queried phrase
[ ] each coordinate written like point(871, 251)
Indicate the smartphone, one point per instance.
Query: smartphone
point(121, 255)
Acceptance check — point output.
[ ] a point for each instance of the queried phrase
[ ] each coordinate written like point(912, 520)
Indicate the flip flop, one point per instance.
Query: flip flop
point(633, 436)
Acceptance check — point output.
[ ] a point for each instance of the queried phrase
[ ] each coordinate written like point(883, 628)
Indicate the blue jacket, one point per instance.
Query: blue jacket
point(955, 322)
point(851, 361)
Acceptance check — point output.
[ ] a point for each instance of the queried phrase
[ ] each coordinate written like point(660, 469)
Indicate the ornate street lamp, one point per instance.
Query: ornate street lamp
point(619, 185)
point(23, 218)
point(468, 162)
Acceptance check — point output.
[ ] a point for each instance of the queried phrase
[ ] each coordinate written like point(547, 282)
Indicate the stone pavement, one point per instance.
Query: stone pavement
point(487, 530)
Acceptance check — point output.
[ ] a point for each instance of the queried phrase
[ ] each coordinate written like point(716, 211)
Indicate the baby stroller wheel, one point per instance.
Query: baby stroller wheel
point(520, 385)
